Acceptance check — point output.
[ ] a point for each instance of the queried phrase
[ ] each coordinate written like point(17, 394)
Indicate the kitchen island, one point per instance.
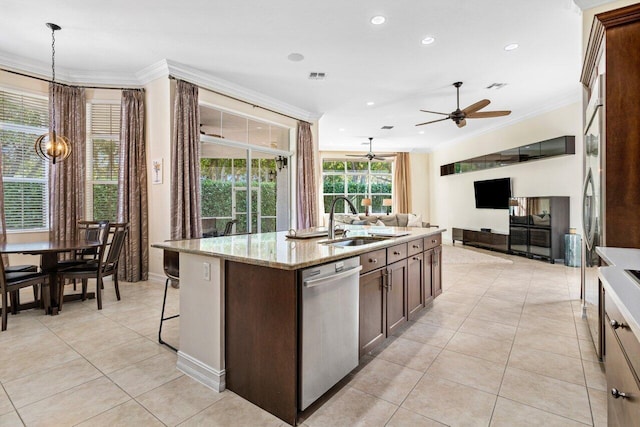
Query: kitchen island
point(241, 304)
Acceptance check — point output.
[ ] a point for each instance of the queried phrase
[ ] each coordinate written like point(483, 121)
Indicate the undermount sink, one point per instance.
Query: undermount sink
point(354, 241)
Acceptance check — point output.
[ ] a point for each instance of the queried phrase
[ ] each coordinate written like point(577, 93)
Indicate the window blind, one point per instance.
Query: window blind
point(104, 153)
point(22, 119)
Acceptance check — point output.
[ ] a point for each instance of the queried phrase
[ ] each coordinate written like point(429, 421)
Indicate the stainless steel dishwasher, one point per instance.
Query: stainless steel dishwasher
point(330, 305)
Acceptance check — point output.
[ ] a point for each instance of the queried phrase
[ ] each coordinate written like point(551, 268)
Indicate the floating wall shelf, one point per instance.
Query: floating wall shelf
point(560, 146)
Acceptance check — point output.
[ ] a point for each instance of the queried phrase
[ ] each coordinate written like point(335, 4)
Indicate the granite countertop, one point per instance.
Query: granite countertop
point(277, 251)
point(623, 289)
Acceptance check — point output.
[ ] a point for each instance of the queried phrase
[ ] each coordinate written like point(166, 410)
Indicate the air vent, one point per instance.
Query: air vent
point(386, 127)
point(496, 85)
point(317, 76)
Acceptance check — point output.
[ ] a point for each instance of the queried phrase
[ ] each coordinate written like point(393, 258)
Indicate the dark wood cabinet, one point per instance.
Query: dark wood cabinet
point(614, 35)
point(623, 405)
point(395, 285)
point(415, 284)
point(396, 295)
point(373, 309)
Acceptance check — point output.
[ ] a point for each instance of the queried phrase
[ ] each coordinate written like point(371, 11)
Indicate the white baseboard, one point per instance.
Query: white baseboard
point(201, 372)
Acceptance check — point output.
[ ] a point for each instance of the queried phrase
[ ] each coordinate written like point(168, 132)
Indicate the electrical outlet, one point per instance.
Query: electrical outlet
point(207, 271)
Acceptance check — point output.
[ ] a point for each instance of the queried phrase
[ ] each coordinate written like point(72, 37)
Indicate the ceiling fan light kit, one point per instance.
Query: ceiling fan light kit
point(370, 155)
point(460, 117)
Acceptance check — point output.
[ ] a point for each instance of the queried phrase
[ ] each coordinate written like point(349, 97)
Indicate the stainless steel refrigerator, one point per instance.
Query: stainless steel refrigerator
point(592, 212)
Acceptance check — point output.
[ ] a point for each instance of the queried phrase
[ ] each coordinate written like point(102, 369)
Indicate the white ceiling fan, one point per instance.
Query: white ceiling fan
point(370, 155)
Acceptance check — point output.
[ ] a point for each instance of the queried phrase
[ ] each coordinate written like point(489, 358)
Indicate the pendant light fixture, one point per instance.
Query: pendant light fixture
point(51, 146)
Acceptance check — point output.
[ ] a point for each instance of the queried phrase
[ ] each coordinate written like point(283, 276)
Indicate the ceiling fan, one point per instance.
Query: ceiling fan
point(471, 112)
point(370, 155)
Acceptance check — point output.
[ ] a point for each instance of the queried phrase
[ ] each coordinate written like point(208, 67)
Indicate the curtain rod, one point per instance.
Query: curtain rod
point(245, 102)
point(64, 84)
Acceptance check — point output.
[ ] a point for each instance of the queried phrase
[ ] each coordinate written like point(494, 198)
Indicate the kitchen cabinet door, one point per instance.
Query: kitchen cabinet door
point(436, 271)
point(427, 276)
point(373, 309)
point(415, 278)
point(396, 295)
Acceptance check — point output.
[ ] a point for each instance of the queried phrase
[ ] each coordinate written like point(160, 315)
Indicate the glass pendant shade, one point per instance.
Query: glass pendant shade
point(50, 146)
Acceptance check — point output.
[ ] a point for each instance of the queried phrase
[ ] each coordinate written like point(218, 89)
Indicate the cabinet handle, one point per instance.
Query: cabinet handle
point(416, 258)
point(385, 280)
point(434, 241)
point(416, 246)
point(615, 325)
point(616, 393)
point(396, 253)
point(390, 280)
point(373, 260)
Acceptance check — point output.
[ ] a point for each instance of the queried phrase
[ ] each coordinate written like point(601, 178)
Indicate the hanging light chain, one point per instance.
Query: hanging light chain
point(53, 76)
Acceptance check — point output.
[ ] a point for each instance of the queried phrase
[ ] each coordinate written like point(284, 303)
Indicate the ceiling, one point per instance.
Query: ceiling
point(248, 43)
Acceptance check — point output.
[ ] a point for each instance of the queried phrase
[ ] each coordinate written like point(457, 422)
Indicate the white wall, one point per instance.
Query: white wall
point(452, 197)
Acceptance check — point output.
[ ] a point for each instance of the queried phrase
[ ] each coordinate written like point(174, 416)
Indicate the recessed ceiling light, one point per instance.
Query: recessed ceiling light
point(511, 46)
point(427, 40)
point(341, 129)
point(295, 57)
point(421, 132)
point(378, 20)
point(370, 103)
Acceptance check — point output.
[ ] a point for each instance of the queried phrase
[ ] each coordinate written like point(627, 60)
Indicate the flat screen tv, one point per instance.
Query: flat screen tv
point(493, 193)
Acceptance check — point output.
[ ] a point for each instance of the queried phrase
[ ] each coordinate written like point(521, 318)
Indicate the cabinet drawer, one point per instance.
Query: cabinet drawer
point(416, 246)
point(621, 411)
point(372, 260)
point(396, 253)
point(432, 241)
point(623, 332)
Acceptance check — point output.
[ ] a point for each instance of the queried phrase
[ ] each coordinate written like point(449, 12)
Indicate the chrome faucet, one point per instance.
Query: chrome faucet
point(332, 231)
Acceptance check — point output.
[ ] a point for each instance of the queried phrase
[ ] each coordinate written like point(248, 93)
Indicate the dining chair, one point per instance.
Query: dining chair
point(88, 230)
point(15, 296)
point(12, 282)
point(106, 264)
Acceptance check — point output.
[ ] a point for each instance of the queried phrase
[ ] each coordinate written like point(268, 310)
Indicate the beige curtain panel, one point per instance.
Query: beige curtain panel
point(307, 192)
point(67, 178)
point(185, 163)
point(402, 184)
point(132, 188)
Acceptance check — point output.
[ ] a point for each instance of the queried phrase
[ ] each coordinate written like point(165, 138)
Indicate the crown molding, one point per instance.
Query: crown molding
point(207, 81)
point(160, 69)
point(588, 4)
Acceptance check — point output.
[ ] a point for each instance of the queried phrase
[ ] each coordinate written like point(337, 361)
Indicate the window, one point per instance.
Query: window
point(103, 156)
point(22, 119)
point(356, 180)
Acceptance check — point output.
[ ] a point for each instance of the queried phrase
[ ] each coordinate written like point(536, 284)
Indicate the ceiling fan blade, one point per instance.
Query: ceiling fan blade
point(477, 106)
point(434, 112)
point(462, 123)
point(384, 156)
point(488, 114)
point(356, 155)
point(433, 121)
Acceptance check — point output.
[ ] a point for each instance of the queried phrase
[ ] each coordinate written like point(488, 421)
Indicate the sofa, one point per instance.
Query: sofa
point(392, 220)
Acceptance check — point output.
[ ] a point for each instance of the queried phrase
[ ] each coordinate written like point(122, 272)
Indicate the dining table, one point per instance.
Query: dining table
point(49, 250)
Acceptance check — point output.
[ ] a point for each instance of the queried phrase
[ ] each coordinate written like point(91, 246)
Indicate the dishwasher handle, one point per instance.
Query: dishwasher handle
point(320, 280)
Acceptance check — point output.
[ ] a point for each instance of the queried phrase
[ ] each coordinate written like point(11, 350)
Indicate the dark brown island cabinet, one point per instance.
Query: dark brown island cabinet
point(395, 285)
point(263, 311)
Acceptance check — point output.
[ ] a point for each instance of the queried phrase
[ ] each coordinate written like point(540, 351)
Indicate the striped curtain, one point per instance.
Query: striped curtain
point(132, 188)
point(306, 189)
point(185, 164)
point(67, 178)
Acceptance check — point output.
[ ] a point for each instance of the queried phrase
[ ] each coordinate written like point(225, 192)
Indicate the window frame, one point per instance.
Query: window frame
point(35, 132)
point(346, 173)
point(89, 181)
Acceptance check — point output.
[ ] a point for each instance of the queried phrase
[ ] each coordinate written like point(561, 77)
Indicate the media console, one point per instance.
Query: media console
point(481, 239)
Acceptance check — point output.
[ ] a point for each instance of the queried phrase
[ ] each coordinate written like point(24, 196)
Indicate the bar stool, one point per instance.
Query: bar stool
point(171, 261)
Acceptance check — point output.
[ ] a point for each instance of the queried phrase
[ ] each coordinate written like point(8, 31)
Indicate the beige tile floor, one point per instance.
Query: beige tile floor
point(504, 345)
